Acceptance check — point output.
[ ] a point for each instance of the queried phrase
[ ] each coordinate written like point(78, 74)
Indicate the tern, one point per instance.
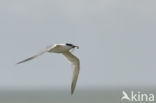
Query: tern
point(65, 50)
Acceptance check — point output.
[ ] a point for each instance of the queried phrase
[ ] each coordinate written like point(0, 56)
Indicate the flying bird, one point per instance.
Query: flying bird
point(65, 50)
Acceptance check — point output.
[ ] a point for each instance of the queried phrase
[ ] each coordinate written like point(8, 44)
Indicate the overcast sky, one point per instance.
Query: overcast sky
point(117, 40)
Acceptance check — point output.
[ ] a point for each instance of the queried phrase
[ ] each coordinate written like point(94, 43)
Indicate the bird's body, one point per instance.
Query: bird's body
point(59, 48)
point(65, 50)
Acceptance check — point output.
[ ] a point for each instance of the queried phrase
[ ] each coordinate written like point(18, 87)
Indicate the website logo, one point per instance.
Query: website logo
point(137, 97)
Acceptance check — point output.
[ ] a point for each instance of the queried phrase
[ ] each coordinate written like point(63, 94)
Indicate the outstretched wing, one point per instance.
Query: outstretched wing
point(76, 68)
point(38, 54)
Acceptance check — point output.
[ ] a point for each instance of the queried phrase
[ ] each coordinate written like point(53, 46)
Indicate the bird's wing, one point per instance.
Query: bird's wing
point(38, 54)
point(76, 68)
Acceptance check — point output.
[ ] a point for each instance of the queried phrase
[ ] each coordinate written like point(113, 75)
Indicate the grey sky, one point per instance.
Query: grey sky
point(116, 37)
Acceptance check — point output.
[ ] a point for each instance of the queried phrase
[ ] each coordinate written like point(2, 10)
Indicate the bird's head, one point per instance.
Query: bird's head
point(71, 45)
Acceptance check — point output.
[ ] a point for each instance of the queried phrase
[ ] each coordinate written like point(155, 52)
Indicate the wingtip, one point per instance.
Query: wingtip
point(72, 90)
point(72, 93)
point(19, 62)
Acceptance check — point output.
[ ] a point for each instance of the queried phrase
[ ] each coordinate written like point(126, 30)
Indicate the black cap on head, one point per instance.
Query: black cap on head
point(69, 44)
point(73, 46)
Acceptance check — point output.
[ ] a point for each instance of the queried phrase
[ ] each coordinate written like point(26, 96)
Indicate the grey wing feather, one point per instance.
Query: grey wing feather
point(32, 57)
point(76, 68)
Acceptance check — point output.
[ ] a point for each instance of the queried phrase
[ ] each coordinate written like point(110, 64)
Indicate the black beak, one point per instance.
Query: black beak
point(75, 46)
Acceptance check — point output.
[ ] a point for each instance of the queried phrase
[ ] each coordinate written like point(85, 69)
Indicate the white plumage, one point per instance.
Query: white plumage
point(65, 50)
